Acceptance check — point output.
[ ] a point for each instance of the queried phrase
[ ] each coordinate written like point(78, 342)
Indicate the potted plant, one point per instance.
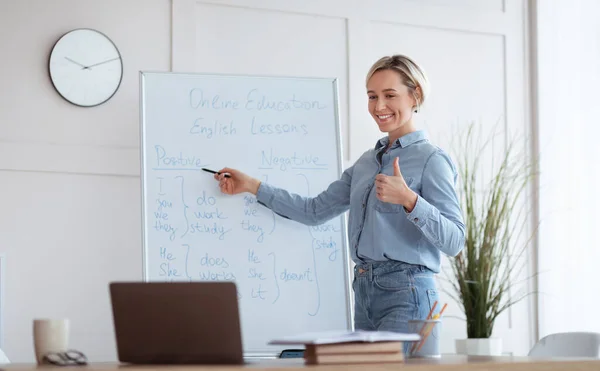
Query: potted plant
point(495, 216)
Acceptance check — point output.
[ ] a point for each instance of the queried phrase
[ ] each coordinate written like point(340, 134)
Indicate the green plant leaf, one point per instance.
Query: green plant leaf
point(484, 272)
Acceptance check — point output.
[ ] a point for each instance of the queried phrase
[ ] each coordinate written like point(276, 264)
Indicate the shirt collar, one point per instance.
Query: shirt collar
point(405, 140)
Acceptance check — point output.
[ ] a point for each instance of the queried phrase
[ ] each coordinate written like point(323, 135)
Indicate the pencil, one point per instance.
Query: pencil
point(423, 328)
point(430, 329)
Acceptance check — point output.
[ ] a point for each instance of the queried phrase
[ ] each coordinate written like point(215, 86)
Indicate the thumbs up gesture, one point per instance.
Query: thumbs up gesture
point(393, 188)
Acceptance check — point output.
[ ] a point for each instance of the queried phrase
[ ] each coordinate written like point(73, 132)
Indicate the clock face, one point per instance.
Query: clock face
point(85, 67)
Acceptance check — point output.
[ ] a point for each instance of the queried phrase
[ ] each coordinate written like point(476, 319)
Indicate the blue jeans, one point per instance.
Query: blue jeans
point(388, 294)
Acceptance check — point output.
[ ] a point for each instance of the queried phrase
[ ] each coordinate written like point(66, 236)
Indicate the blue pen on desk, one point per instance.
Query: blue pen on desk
point(215, 172)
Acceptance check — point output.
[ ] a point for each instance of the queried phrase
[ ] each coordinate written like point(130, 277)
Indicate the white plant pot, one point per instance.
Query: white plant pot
point(479, 347)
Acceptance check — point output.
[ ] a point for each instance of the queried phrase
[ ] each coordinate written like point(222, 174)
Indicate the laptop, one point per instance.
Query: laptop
point(177, 322)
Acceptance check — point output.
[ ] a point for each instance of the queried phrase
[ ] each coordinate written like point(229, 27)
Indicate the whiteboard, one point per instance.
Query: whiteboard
point(291, 278)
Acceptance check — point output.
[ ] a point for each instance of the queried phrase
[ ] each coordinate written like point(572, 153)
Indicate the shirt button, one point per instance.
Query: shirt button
point(416, 220)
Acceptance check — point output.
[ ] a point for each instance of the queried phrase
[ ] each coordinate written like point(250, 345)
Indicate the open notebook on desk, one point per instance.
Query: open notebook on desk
point(333, 337)
point(335, 347)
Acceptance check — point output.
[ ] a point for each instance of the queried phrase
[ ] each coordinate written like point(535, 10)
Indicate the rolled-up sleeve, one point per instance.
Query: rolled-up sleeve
point(437, 212)
point(308, 210)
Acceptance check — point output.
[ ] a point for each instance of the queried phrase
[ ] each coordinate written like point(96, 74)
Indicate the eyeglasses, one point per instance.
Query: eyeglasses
point(68, 358)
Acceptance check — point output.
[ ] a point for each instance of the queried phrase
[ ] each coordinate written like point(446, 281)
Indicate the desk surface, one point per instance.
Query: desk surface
point(446, 363)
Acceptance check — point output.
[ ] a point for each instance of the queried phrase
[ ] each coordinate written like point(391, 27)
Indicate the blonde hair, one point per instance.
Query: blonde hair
point(413, 76)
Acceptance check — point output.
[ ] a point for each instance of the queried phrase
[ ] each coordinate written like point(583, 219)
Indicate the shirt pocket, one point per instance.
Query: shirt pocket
point(387, 207)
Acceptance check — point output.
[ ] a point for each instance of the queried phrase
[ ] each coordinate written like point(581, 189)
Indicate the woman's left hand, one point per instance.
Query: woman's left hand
point(393, 189)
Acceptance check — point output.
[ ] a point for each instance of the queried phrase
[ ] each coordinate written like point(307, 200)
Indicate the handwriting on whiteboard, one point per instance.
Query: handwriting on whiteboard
point(199, 234)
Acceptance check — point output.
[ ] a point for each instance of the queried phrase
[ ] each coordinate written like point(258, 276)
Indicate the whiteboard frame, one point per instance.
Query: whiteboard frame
point(348, 275)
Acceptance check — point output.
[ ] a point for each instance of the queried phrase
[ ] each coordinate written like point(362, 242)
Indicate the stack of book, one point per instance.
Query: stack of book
point(350, 347)
point(359, 352)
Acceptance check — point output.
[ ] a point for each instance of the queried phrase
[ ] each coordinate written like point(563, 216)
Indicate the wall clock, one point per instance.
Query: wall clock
point(85, 67)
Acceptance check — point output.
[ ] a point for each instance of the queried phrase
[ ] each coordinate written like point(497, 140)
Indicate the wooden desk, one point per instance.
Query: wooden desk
point(446, 363)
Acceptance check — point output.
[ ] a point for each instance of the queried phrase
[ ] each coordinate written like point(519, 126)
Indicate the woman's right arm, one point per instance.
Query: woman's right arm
point(306, 210)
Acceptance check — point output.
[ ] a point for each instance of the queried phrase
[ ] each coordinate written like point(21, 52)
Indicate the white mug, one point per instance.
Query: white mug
point(50, 336)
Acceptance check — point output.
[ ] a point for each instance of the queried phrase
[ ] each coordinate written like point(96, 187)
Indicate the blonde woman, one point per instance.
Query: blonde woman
point(403, 208)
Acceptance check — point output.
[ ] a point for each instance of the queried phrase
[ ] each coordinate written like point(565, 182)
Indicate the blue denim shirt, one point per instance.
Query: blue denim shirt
point(379, 230)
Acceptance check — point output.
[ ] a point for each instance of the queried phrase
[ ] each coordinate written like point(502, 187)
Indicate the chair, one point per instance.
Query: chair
point(568, 344)
point(3, 358)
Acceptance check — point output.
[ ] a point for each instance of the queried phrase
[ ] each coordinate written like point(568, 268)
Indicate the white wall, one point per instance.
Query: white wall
point(472, 51)
point(70, 175)
point(569, 117)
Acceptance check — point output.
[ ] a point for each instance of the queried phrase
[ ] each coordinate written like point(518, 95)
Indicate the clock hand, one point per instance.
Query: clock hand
point(77, 63)
point(97, 64)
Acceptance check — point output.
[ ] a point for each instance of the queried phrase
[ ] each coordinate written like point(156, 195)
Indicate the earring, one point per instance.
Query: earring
point(416, 108)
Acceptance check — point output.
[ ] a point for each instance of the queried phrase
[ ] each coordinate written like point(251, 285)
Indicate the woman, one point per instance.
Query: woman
point(403, 208)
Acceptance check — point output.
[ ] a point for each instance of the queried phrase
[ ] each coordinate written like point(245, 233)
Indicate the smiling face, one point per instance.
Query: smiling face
point(391, 103)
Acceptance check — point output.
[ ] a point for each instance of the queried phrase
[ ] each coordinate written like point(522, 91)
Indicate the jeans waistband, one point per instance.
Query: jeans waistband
point(382, 267)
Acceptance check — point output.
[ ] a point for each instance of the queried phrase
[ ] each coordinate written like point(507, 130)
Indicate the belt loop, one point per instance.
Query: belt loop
point(371, 272)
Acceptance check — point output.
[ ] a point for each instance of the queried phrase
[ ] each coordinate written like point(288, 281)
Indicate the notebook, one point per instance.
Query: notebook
point(332, 337)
